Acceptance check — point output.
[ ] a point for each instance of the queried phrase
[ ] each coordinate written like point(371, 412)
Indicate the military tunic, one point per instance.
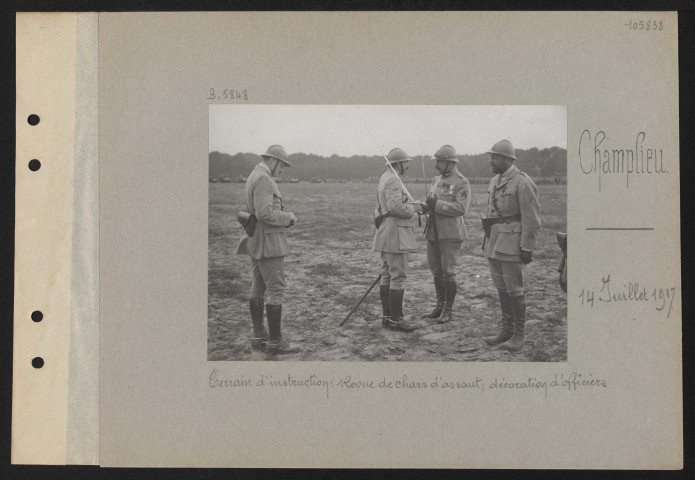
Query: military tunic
point(511, 193)
point(395, 237)
point(453, 197)
point(268, 246)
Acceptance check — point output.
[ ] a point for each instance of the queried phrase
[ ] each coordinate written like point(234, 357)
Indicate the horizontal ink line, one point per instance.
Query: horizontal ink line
point(620, 228)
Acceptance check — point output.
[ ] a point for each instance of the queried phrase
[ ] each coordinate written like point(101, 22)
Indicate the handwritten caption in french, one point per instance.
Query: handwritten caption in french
point(661, 298)
point(609, 159)
point(564, 382)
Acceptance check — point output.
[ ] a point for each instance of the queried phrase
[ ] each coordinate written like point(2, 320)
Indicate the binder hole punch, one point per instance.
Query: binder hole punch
point(37, 316)
point(34, 165)
point(37, 362)
point(33, 119)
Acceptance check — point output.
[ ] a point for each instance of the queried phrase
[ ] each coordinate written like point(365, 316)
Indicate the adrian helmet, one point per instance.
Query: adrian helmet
point(276, 151)
point(397, 155)
point(446, 152)
point(503, 147)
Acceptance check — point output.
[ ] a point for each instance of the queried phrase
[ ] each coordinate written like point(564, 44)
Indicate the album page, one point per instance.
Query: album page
point(367, 239)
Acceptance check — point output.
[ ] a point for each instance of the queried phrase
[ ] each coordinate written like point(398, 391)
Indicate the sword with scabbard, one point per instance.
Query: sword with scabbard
point(405, 190)
point(371, 287)
point(359, 302)
point(432, 221)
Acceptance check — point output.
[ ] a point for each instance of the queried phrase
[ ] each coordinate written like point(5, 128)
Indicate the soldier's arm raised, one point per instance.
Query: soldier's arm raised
point(459, 206)
point(530, 214)
point(263, 204)
point(394, 199)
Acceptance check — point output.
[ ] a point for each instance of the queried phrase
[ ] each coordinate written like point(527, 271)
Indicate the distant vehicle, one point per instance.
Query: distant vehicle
point(240, 179)
point(292, 180)
point(213, 180)
point(226, 180)
point(317, 180)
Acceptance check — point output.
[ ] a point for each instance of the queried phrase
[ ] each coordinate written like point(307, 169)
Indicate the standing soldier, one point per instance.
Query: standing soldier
point(510, 232)
point(447, 203)
point(394, 238)
point(267, 248)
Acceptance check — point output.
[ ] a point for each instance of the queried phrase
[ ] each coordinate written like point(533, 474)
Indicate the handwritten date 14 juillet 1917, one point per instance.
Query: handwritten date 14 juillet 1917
point(228, 94)
point(630, 292)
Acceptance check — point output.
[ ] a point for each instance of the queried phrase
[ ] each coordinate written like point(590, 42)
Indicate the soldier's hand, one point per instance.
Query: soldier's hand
point(526, 256)
point(293, 219)
point(423, 206)
point(431, 203)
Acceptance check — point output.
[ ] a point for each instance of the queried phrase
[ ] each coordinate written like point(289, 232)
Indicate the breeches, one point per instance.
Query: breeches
point(394, 267)
point(507, 276)
point(448, 253)
point(268, 280)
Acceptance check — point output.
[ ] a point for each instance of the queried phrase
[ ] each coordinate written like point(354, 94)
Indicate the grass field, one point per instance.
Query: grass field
point(331, 264)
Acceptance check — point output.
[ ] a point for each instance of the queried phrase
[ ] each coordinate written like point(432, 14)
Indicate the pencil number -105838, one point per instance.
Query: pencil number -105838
point(646, 25)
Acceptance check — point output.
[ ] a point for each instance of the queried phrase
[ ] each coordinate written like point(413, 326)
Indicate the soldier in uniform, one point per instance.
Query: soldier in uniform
point(510, 233)
point(447, 203)
point(395, 239)
point(267, 249)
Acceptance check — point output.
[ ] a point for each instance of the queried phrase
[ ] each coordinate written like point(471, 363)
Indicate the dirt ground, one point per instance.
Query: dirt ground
point(332, 264)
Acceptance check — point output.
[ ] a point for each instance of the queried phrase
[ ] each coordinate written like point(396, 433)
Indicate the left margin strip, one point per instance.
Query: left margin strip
point(45, 79)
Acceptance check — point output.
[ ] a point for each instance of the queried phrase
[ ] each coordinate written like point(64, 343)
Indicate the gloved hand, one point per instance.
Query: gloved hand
point(526, 256)
point(293, 219)
point(431, 203)
point(423, 206)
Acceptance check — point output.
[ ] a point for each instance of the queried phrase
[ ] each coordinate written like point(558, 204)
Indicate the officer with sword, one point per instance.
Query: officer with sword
point(394, 238)
point(447, 202)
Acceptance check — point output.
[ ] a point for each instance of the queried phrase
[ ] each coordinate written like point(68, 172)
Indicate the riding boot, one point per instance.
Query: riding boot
point(260, 337)
point(385, 306)
point(506, 324)
point(276, 345)
point(397, 321)
point(439, 288)
point(516, 343)
point(449, 297)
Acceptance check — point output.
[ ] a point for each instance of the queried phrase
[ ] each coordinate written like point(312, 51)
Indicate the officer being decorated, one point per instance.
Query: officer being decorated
point(447, 203)
point(267, 247)
point(510, 233)
point(394, 238)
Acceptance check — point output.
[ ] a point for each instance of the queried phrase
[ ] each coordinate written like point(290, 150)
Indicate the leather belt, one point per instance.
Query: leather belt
point(507, 219)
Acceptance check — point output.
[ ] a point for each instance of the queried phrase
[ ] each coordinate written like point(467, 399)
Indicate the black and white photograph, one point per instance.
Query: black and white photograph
point(387, 233)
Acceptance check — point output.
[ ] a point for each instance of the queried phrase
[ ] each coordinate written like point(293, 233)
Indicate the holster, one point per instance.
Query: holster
point(248, 221)
point(487, 226)
point(488, 222)
point(378, 217)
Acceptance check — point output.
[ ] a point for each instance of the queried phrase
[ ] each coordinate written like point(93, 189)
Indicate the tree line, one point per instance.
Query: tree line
point(548, 162)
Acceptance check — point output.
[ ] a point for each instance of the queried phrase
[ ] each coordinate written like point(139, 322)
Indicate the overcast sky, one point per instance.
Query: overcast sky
point(340, 129)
